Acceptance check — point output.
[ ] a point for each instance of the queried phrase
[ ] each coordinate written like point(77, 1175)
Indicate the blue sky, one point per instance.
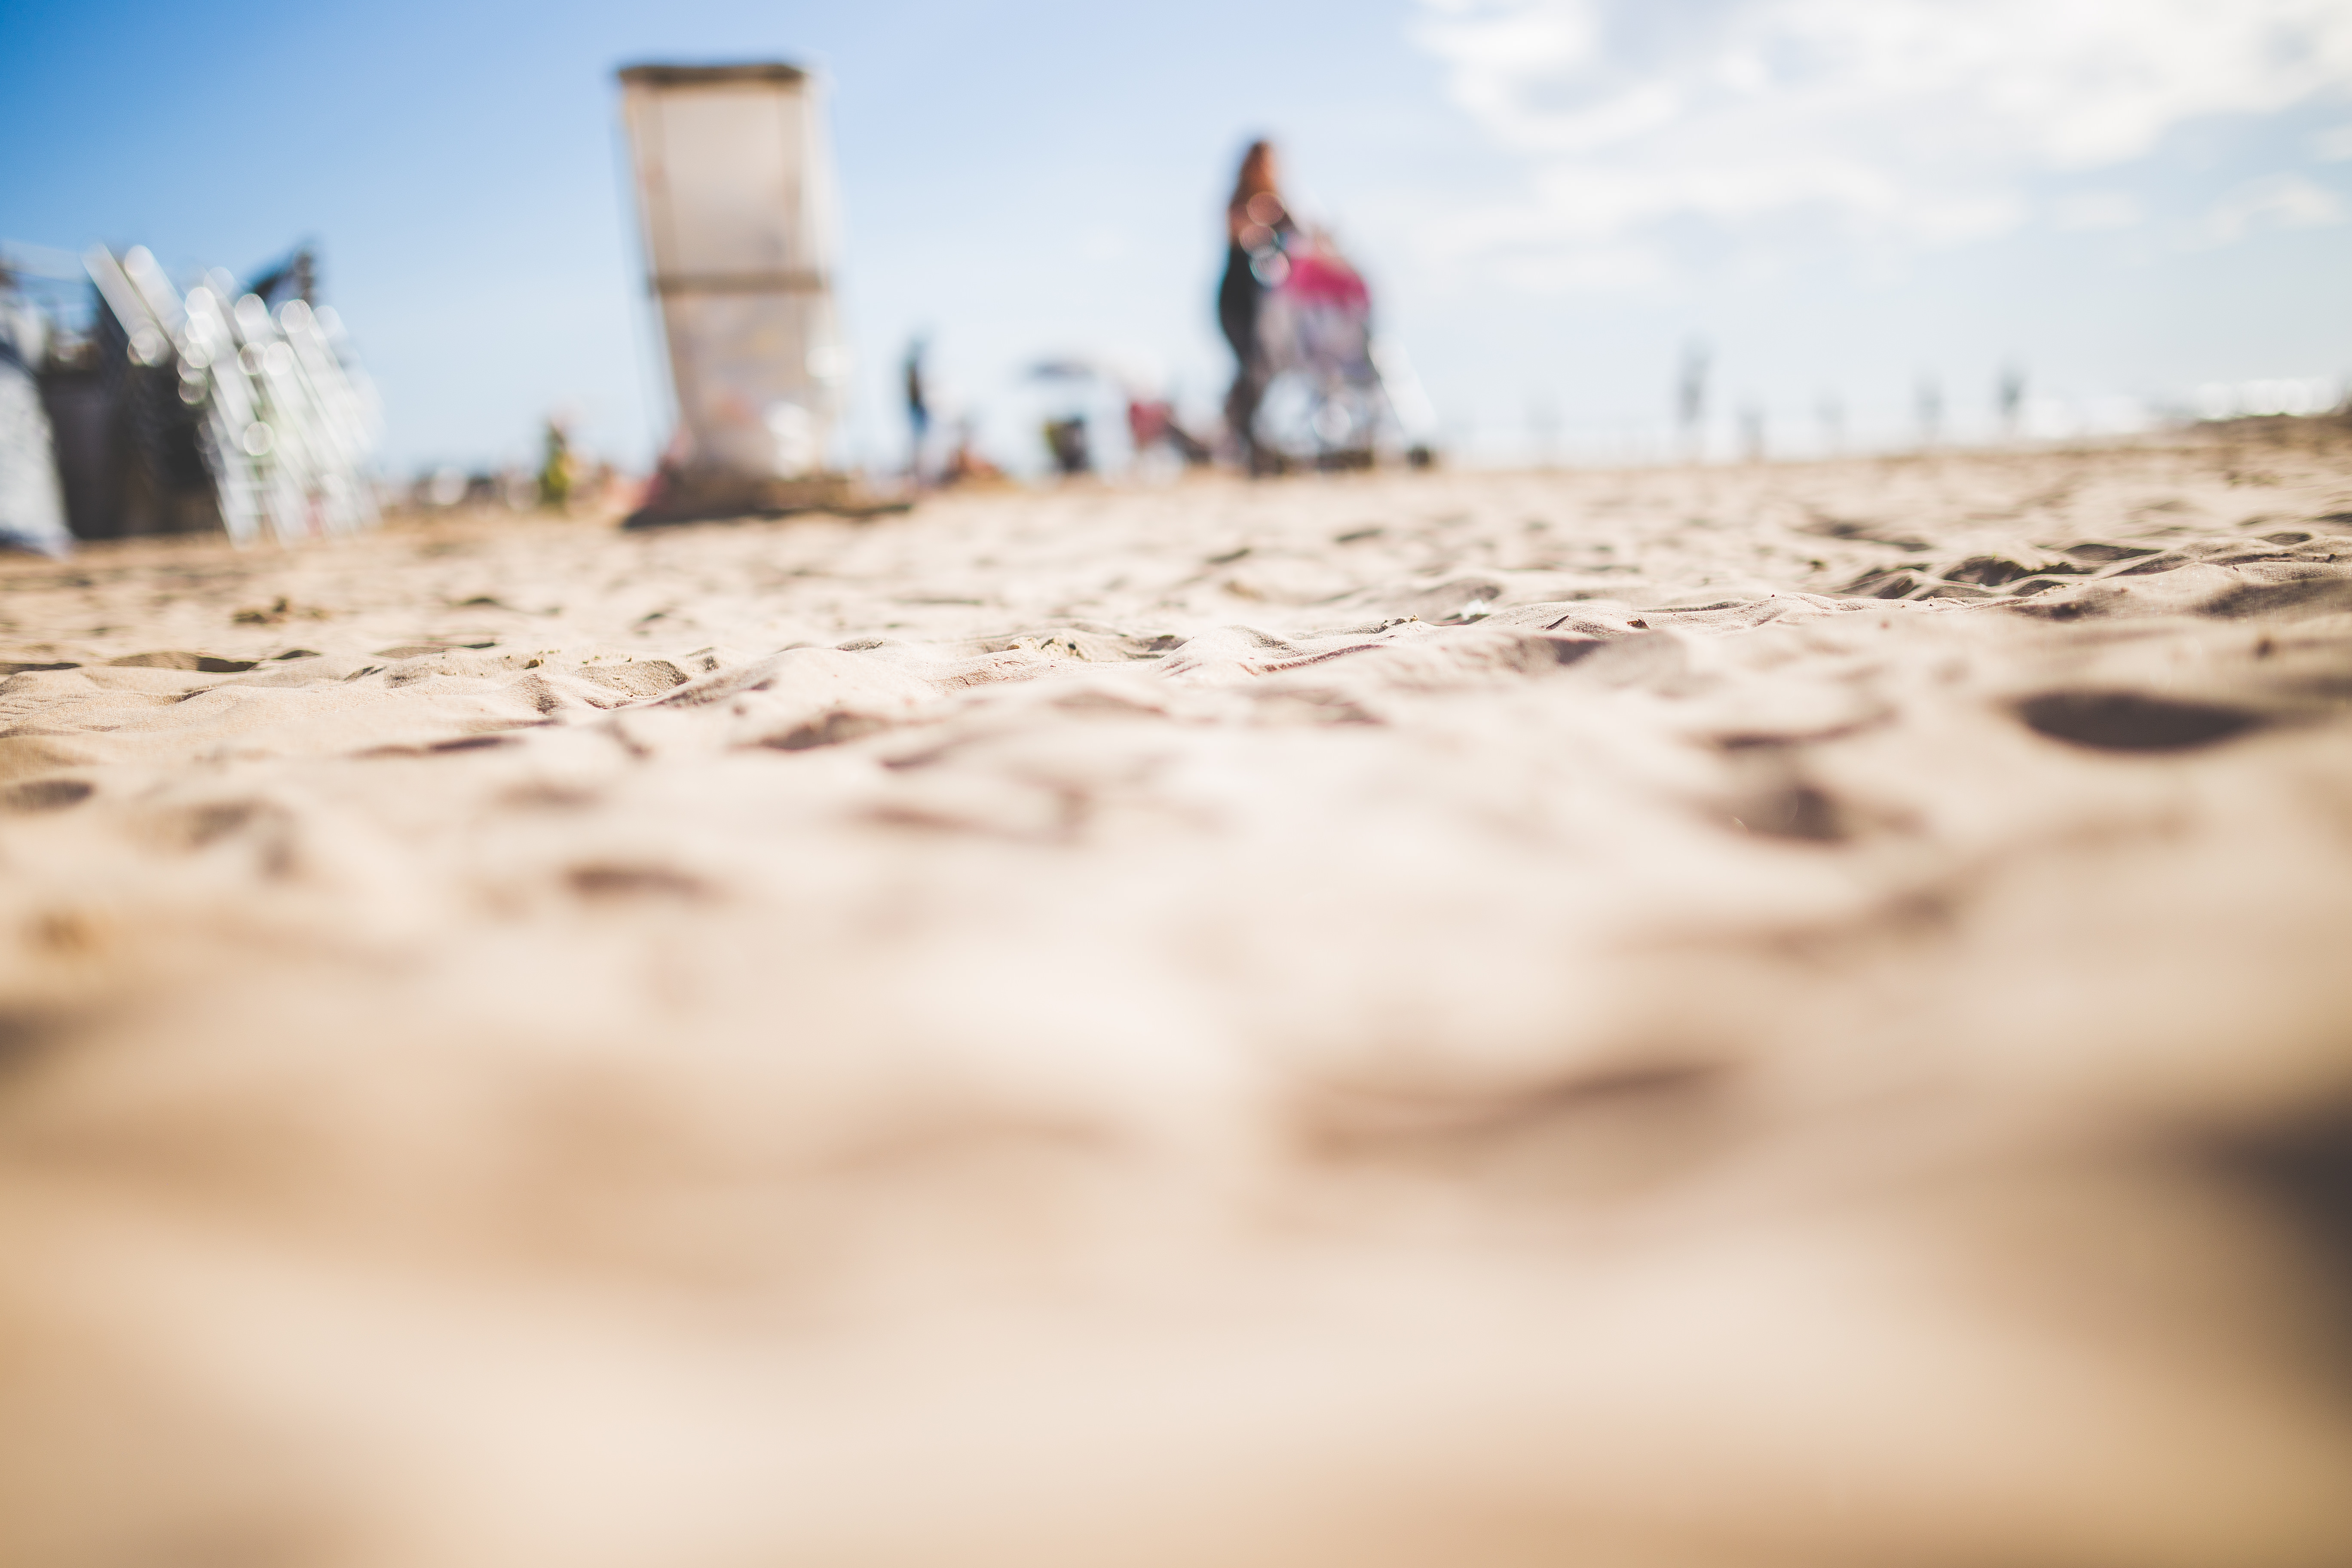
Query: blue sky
point(1842, 198)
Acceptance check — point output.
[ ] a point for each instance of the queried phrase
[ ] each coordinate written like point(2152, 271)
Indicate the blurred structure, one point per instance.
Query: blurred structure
point(32, 513)
point(172, 414)
point(2300, 397)
point(735, 195)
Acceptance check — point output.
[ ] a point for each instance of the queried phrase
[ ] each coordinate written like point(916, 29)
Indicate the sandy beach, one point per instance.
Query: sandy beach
point(1791, 1014)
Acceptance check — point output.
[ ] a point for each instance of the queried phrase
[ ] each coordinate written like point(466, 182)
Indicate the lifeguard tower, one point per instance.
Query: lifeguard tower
point(734, 185)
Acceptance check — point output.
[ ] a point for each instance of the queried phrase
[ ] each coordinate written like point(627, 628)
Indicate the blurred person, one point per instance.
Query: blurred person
point(557, 470)
point(965, 465)
point(1068, 444)
point(919, 406)
point(1832, 410)
point(296, 278)
point(1258, 233)
point(1930, 399)
point(1690, 401)
point(1151, 422)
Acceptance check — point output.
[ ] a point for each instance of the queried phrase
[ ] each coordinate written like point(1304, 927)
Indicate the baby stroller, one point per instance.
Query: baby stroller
point(1325, 405)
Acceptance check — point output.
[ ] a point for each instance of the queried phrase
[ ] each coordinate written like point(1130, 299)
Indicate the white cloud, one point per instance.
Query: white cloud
point(2285, 201)
point(1915, 121)
point(2090, 211)
point(2333, 145)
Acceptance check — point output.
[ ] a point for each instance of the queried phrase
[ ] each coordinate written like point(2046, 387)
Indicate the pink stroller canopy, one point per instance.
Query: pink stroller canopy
point(1322, 277)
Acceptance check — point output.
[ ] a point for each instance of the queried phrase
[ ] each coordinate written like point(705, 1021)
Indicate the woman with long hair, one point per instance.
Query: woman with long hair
point(1257, 228)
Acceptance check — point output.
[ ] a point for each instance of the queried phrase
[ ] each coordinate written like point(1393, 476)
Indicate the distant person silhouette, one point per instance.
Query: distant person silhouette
point(1931, 411)
point(558, 470)
point(919, 406)
point(1258, 230)
point(1690, 401)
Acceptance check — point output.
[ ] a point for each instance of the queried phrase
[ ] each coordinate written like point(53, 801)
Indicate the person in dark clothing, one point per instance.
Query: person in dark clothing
point(918, 406)
point(1258, 228)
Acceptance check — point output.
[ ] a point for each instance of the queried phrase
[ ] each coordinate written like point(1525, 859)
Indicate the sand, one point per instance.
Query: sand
point(1789, 1015)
